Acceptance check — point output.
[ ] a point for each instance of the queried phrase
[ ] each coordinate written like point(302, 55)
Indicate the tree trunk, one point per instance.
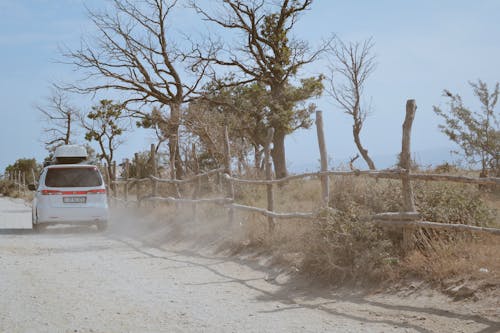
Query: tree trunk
point(176, 171)
point(257, 157)
point(364, 153)
point(278, 154)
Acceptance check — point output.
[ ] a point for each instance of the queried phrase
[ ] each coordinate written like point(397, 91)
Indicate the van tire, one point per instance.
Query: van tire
point(102, 226)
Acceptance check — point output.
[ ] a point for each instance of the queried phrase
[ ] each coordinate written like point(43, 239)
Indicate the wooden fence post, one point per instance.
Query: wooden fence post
point(125, 189)
point(405, 161)
point(154, 171)
point(197, 186)
point(108, 182)
point(230, 186)
point(325, 180)
point(269, 176)
point(137, 177)
point(113, 178)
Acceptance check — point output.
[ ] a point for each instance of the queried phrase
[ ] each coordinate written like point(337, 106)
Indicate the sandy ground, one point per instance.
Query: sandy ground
point(71, 279)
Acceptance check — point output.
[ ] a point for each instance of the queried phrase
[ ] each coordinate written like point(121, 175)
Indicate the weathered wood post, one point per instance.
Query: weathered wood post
point(227, 170)
point(197, 185)
point(269, 176)
point(126, 173)
point(24, 182)
point(113, 179)
point(108, 178)
point(154, 171)
point(137, 177)
point(325, 180)
point(405, 161)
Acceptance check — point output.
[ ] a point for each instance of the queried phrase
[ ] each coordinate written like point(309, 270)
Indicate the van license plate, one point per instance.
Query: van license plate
point(74, 199)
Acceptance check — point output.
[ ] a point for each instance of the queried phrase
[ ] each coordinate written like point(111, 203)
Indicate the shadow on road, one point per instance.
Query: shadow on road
point(58, 230)
point(299, 293)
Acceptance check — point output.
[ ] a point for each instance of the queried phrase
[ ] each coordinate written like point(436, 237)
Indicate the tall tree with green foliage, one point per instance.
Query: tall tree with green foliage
point(105, 124)
point(268, 55)
point(477, 133)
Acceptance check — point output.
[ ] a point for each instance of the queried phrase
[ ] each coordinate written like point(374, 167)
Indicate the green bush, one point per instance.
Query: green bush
point(452, 203)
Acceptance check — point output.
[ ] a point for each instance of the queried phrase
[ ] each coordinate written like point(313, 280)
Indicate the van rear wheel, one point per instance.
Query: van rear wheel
point(102, 226)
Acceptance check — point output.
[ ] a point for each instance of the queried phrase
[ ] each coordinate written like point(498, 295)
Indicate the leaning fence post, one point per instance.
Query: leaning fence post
point(325, 181)
point(405, 161)
point(269, 176)
point(230, 186)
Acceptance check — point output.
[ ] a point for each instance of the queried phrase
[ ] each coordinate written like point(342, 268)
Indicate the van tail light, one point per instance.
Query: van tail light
point(99, 191)
point(57, 192)
point(51, 192)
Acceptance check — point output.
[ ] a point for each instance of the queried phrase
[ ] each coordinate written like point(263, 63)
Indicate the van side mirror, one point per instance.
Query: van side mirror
point(32, 187)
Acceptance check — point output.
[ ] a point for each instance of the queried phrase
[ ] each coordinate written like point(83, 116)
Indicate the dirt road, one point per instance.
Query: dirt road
point(78, 280)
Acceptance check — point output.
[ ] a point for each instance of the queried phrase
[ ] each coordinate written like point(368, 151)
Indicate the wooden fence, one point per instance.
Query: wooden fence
point(408, 219)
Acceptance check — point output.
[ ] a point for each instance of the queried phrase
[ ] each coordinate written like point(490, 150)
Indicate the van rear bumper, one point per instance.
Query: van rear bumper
point(72, 215)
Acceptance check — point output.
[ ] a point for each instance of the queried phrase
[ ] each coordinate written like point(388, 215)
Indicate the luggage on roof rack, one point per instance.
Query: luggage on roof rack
point(69, 154)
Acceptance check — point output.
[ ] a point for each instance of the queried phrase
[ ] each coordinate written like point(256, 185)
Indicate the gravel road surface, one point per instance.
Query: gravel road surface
point(69, 279)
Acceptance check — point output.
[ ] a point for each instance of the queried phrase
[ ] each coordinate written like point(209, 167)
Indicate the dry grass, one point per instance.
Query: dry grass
point(476, 258)
point(344, 248)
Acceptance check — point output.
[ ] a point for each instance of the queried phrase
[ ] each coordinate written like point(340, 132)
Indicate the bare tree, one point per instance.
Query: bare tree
point(135, 53)
point(269, 55)
point(350, 66)
point(59, 119)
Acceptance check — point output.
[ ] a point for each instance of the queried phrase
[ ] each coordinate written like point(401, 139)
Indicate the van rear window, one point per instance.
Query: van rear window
point(73, 177)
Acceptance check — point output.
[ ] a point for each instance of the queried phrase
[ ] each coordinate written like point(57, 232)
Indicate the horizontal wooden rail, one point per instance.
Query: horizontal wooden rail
point(386, 174)
point(398, 216)
point(307, 215)
point(132, 181)
point(219, 201)
point(436, 225)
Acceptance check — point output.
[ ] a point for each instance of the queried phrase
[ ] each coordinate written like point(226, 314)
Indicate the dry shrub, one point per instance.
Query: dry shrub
point(342, 247)
point(8, 188)
point(370, 195)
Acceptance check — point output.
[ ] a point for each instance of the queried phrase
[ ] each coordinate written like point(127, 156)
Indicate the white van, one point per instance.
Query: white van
point(70, 192)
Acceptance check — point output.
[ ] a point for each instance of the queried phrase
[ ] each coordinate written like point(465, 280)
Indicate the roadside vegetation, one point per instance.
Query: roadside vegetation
point(187, 91)
point(344, 247)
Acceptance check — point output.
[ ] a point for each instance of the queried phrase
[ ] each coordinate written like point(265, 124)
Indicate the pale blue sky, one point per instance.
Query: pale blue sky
point(422, 47)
